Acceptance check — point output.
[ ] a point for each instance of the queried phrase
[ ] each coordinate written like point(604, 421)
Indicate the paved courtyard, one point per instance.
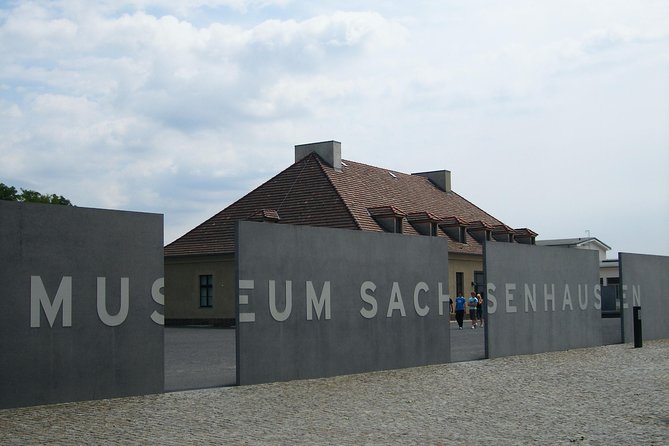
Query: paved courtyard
point(199, 357)
point(203, 357)
point(597, 396)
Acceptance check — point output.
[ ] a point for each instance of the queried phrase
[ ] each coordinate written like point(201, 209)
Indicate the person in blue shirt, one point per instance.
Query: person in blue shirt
point(460, 309)
point(472, 304)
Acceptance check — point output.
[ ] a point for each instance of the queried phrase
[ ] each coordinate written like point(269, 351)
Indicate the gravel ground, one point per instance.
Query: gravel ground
point(606, 395)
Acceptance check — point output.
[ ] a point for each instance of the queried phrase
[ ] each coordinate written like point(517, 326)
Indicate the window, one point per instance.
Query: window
point(478, 282)
point(398, 225)
point(462, 234)
point(459, 283)
point(206, 291)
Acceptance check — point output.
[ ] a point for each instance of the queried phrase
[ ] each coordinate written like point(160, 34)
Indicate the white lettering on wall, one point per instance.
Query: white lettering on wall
point(159, 298)
point(625, 306)
point(492, 300)
point(443, 298)
point(636, 295)
point(509, 288)
point(566, 298)
point(510, 305)
point(118, 318)
point(280, 316)
point(244, 300)
point(598, 297)
point(40, 299)
point(549, 297)
point(369, 299)
point(319, 304)
point(395, 302)
point(530, 297)
point(420, 311)
point(583, 303)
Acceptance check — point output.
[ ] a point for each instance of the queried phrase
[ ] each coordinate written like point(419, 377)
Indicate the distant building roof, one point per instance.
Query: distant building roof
point(573, 242)
point(311, 192)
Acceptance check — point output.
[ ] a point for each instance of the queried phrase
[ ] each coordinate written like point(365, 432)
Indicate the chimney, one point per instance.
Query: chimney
point(329, 151)
point(440, 178)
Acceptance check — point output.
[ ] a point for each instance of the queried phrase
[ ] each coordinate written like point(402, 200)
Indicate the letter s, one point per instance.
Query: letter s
point(368, 298)
point(159, 298)
point(492, 301)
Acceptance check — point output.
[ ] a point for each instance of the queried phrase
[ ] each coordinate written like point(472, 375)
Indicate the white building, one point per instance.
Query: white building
point(608, 269)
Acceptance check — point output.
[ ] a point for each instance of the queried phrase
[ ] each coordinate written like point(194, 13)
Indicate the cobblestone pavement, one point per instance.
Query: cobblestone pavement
point(203, 357)
point(197, 358)
point(606, 395)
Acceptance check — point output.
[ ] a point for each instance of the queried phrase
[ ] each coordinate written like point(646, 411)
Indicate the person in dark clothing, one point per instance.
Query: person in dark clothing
point(460, 309)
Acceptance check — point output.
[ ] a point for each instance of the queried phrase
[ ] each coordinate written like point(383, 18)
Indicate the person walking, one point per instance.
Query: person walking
point(460, 309)
point(479, 310)
point(472, 303)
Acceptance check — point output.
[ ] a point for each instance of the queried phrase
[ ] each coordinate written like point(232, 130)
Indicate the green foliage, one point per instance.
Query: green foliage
point(10, 193)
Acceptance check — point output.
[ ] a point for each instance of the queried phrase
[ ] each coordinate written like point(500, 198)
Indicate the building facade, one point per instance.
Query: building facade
point(608, 268)
point(321, 189)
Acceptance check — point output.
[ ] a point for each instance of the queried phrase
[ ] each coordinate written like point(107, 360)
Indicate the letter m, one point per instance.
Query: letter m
point(318, 303)
point(39, 299)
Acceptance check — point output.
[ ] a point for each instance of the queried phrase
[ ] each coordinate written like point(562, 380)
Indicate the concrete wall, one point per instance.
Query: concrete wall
point(358, 302)
point(645, 282)
point(80, 308)
point(182, 289)
point(182, 293)
point(541, 299)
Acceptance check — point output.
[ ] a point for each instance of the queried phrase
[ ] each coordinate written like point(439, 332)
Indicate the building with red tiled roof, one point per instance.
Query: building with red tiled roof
point(321, 189)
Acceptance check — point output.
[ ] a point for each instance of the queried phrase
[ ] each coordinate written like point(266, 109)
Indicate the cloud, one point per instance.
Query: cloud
point(182, 107)
point(132, 110)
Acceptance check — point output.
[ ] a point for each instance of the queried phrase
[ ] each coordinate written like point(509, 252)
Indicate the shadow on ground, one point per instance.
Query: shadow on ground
point(202, 357)
point(199, 357)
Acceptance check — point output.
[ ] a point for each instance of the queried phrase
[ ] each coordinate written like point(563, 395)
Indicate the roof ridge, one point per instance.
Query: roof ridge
point(297, 178)
point(477, 207)
point(336, 190)
point(387, 169)
point(218, 214)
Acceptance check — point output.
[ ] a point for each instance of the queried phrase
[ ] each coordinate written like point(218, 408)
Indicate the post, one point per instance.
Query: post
point(638, 338)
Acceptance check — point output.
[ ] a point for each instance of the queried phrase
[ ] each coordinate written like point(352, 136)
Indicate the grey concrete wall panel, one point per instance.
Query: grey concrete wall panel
point(541, 299)
point(645, 282)
point(611, 331)
point(351, 338)
point(55, 346)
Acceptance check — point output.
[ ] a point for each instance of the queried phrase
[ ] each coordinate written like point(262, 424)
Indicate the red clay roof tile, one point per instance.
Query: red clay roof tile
point(312, 193)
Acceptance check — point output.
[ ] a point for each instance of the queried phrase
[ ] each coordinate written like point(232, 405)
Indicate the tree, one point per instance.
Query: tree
point(8, 192)
point(31, 196)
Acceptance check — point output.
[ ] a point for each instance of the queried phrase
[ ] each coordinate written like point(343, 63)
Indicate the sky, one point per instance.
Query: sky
point(550, 115)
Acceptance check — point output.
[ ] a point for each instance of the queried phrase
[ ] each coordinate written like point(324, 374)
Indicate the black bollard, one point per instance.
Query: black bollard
point(638, 338)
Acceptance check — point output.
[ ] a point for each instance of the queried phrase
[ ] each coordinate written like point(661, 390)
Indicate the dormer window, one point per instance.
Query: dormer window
point(388, 217)
point(502, 233)
point(455, 228)
point(424, 223)
point(480, 230)
point(525, 236)
point(398, 225)
point(265, 215)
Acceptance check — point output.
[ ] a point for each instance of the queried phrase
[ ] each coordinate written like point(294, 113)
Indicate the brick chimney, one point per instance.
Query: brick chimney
point(329, 151)
point(440, 178)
